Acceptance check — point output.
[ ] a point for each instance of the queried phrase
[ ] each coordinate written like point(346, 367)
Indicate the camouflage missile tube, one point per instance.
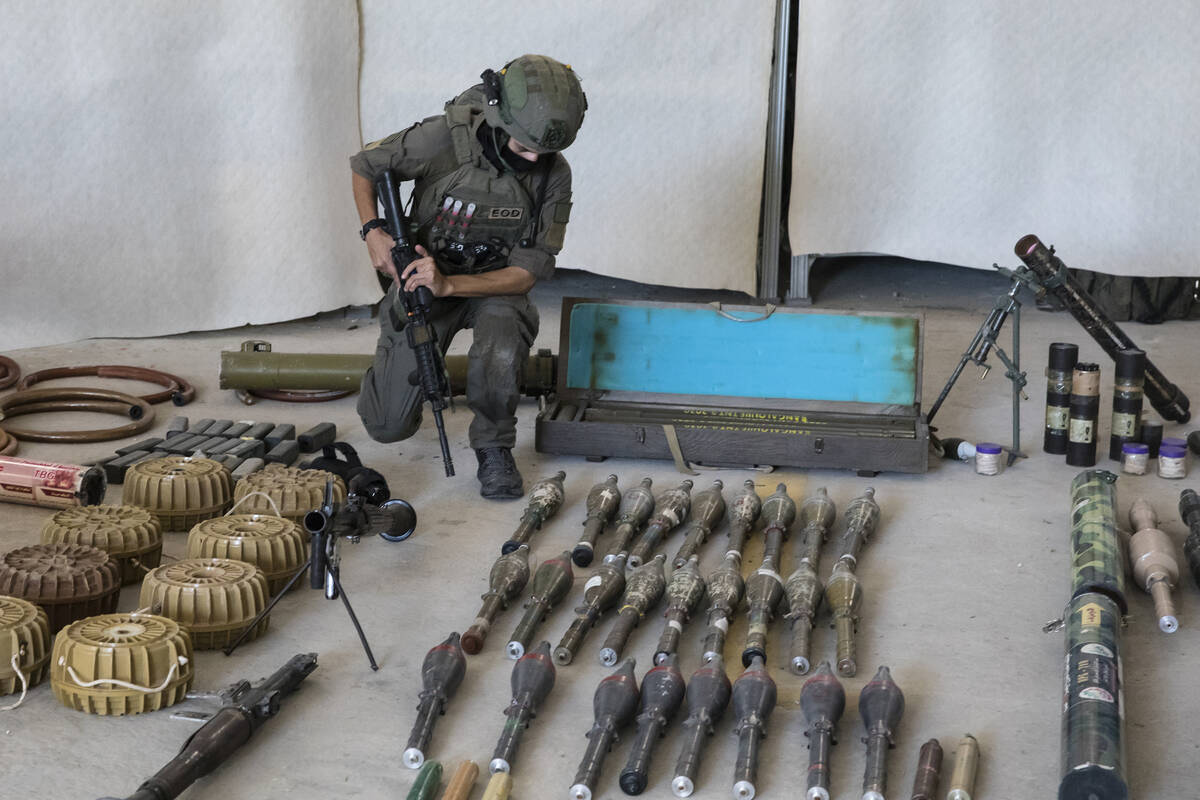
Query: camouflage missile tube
point(1093, 749)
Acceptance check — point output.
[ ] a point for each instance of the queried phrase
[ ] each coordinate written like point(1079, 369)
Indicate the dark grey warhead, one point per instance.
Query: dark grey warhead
point(616, 697)
point(881, 704)
point(708, 693)
point(533, 677)
point(754, 695)
point(822, 698)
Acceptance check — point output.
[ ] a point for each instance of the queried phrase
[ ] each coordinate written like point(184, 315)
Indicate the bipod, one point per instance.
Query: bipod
point(986, 341)
point(330, 567)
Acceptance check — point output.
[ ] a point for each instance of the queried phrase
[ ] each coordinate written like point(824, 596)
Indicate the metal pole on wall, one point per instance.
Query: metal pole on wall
point(772, 214)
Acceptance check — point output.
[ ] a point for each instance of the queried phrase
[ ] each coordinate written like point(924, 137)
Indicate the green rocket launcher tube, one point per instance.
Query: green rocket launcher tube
point(418, 304)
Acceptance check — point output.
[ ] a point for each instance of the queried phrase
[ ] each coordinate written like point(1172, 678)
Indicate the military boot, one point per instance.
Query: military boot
point(498, 475)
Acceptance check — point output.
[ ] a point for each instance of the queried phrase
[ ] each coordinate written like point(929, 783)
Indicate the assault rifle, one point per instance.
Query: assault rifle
point(422, 338)
point(246, 709)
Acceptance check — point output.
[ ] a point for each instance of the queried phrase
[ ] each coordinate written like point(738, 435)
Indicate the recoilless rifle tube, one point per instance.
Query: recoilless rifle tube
point(1051, 272)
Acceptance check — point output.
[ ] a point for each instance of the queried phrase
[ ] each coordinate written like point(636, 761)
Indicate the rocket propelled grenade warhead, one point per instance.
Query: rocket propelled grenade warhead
point(929, 769)
point(602, 502)
point(743, 513)
point(508, 577)
point(764, 588)
point(803, 588)
point(643, 590)
point(637, 504)
point(600, 593)
point(708, 507)
point(708, 693)
point(551, 583)
point(662, 693)
point(966, 763)
point(670, 509)
point(1189, 512)
point(881, 704)
point(725, 588)
point(861, 518)
point(441, 674)
point(545, 499)
point(822, 699)
point(843, 595)
point(1155, 569)
point(684, 591)
point(532, 680)
point(614, 704)
point(753, 701)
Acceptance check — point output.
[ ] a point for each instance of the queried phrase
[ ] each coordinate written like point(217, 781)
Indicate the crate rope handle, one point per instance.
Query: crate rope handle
point(768, 310)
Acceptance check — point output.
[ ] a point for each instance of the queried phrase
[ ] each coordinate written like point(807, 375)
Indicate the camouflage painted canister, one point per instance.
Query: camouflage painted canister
point(1096, 560)
point(1093, 751)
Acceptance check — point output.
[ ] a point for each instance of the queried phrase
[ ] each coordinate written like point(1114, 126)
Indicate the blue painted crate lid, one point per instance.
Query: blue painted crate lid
point(638, 347)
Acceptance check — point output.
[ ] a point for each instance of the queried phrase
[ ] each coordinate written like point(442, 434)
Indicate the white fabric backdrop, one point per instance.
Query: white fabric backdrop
point(946, 130)
point(174, 167)
point(168, 167)
point(667, 168)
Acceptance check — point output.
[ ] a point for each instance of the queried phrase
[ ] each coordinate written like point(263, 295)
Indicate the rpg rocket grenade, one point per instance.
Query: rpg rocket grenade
point(441, 674)
point(545, 499)
point(602, 503)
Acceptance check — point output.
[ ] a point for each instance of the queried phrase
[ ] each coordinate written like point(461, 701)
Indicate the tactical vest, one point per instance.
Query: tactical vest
point(469, 219)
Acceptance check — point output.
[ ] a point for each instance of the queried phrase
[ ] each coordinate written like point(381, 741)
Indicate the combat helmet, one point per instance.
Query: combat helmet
point(537, 101)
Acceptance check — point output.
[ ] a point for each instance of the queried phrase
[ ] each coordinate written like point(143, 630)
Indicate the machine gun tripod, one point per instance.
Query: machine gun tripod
point(987, 340)
point(394, 520)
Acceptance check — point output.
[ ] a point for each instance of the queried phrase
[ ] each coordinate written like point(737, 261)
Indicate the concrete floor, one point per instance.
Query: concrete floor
point(959, 580)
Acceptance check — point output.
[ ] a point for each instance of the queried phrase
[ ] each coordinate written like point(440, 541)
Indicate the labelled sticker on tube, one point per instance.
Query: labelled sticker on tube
point(1097, 650)
point(1082, 431)
point(1057, 417)
point(1090, 616)
point(1096, 693)
point(1124, 426)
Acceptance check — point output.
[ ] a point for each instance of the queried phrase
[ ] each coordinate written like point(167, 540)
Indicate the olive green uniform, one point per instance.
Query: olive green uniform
point(518, 220)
